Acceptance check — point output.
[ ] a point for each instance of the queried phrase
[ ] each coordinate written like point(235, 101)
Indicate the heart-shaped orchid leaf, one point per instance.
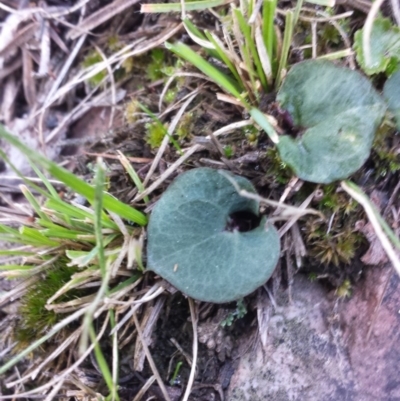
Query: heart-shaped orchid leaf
point(384, 47)
point(391, 91)
point(196, 243)
point(336, 112)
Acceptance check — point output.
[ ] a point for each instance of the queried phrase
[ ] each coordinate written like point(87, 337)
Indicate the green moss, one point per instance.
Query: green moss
point(277, 170)
point(344, 290)
point(131, 108)
point(385, 156)
point(170, 96)
point(238, 313)
point(334, 240)
point(156, 65)
point(335, 201)
point(185, 126)
point(92, 58)
point(35, 318)
point(155, 133)
point(334, 247)
point(252, 134)
point(229, 151)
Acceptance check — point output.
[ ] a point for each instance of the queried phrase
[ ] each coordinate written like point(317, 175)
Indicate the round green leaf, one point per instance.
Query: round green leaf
point(190, 246)
point(337, 112)
point(391, 91)
point(384, 47)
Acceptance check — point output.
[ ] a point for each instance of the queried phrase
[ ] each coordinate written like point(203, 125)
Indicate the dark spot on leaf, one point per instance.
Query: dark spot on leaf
point(242, 221)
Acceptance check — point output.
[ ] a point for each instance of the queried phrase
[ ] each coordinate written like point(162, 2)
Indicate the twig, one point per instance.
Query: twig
point(367, 30)
point(144, 388)
point(150, 359)
point(188, 153)
point(167, 137)
point(100, 16)
point(193, 316)
point(357, 195)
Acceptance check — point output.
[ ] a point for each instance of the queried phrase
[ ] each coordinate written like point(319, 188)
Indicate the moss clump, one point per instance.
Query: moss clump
point(185, 126)
point(36, 319)
point(277, 170)
point(385, 155)
point(334, 247)
point(92, 58)
point(155, 133)
point(334, 241)
point(131, 110)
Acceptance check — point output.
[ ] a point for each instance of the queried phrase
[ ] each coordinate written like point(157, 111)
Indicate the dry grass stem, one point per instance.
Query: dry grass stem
point(187, 154)
point(347, 14)
point(175, 121)
point(69, 370)
point(182, 351)
point(294, 219)
point(367, 30)
point(314, 39)
point(144, 388)
point(150, 316)
point(150, 360)
point(152, 293)
point(193, 315)
point(100, 16)
point(371, 213)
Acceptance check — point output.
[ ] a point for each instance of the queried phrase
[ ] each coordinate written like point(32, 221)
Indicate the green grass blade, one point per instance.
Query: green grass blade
point(297, 10)
point(223, 55)
point(101, 361)
point(25, 180)
point(115, 356)
point(33, 236)
point(136, 276)
point(287, 40)
point(33, 202)
point(98, 209)
point(46, 182)
point(198, 37)
point(222, 80)
point(16, 252)
point(132, 173)
point(75, 183)
point(262, 121)
point(177, 7)
point(102, 262)
point(251, 50)
point(268, 31)
point(325, 3)
point(16, 267)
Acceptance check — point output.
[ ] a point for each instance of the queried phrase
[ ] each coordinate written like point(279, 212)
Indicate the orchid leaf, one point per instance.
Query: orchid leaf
point(193, 245)
point(335, 112)
point(384, 47)
point(391, 92)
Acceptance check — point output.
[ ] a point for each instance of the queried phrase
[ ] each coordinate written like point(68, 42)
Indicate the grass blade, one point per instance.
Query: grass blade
point(177, 7)
point(377, 222)
point(204, 66)
point(268, 32)
point(75, 183)
point(287, 40)
point(262, 121)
